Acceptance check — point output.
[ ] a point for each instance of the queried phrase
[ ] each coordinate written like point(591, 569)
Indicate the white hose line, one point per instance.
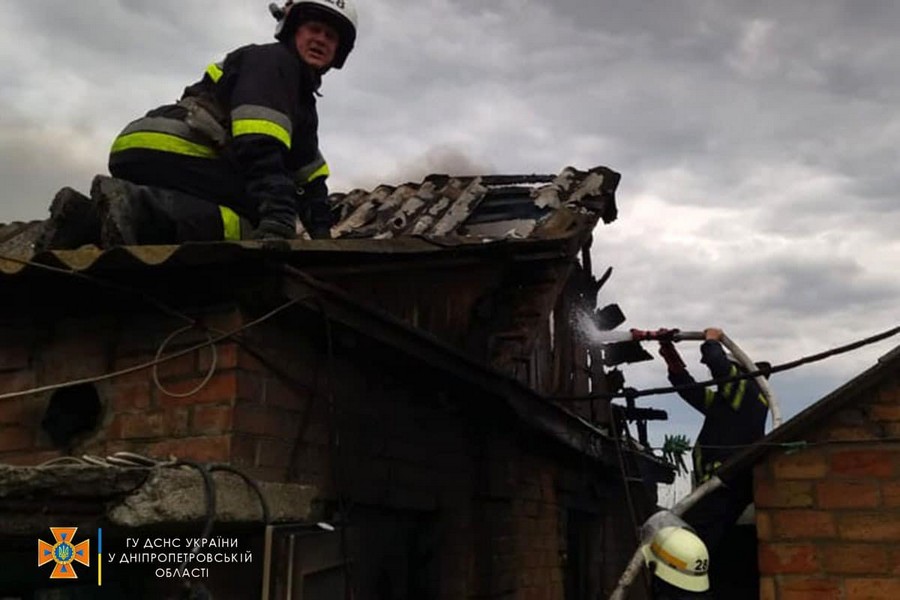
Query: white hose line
point(760, 380)
point(748, 364)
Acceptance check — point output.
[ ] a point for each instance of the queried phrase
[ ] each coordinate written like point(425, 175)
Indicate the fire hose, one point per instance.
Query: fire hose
point(675, 335)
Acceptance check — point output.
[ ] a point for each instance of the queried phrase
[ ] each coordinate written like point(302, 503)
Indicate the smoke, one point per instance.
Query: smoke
point(443, 159)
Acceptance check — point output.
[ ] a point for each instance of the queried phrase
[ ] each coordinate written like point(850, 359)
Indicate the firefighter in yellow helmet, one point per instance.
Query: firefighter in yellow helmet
point(236, 157)
point(679, 562)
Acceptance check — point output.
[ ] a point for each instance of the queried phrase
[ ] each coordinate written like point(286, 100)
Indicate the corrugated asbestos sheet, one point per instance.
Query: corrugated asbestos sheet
point(441, 211)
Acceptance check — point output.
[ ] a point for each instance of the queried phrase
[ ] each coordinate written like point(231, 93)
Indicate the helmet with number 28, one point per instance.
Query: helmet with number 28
point(678, 557)
point(340, 14)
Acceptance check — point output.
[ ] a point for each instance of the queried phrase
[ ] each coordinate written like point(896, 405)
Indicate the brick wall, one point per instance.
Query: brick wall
point(828, 515)
point(136, 416)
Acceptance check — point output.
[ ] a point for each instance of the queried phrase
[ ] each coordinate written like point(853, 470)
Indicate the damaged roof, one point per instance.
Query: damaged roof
point(438, 213)
point(488, 207)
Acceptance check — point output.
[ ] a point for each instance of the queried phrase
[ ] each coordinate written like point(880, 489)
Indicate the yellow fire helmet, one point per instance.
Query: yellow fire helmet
point(679, 558)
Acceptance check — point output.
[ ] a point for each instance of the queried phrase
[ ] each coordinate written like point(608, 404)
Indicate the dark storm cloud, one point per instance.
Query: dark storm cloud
point(797, 288)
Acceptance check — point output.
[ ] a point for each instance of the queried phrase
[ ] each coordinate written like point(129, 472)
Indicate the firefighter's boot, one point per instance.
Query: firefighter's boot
point(119, 209)
point(132, 214)
point(73, 222)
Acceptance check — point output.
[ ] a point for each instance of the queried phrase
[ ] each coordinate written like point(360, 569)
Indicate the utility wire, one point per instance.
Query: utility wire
point(264, 505)
point(796, 445)
point(635, 393)
point(113, 374)
point(213, 363)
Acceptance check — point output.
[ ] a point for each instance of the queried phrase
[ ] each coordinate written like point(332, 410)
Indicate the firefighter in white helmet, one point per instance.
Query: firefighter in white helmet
point(237, 157)
point(679, 562)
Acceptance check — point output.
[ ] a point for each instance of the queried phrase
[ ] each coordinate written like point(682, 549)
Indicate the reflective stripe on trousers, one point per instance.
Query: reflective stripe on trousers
point(231, 224)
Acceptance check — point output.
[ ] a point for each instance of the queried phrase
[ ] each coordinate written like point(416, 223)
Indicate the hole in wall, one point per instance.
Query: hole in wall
point(72, 411)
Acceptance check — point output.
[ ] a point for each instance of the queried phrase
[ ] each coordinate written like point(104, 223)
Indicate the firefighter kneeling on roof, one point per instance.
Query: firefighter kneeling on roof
point(735, 417)
point(236, 158)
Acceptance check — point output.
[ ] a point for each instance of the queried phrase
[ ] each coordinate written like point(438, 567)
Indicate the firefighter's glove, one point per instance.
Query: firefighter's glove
point(316, 216)
point(273, 230)
point(674, 449)
point(274, 235)
point(670, 355)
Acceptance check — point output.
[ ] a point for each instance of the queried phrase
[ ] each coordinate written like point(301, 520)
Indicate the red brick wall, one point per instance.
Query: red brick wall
point(828, 515)
point(137, 416)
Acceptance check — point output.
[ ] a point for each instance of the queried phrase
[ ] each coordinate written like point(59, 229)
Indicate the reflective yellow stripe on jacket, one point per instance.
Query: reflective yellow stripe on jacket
point(736, 396)
point(260, 120)
point(215, 72)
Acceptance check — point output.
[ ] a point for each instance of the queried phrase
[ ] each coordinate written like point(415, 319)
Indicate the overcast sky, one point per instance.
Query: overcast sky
point(758, 141)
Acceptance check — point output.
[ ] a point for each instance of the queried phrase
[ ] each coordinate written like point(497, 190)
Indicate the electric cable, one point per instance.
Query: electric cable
point(142, 366)
point(128, 460)
point(209, 373)
point(209, 490)
point(61, 461)
point(92, 460)
point(796, 445)
point(266, 513)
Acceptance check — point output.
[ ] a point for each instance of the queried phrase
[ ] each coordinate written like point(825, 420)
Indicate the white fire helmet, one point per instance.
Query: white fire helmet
point(679, 558)
point(339, 13)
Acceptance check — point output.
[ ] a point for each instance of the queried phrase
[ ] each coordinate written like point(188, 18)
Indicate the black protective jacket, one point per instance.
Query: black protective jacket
point(244, 137)
point(735, 412)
